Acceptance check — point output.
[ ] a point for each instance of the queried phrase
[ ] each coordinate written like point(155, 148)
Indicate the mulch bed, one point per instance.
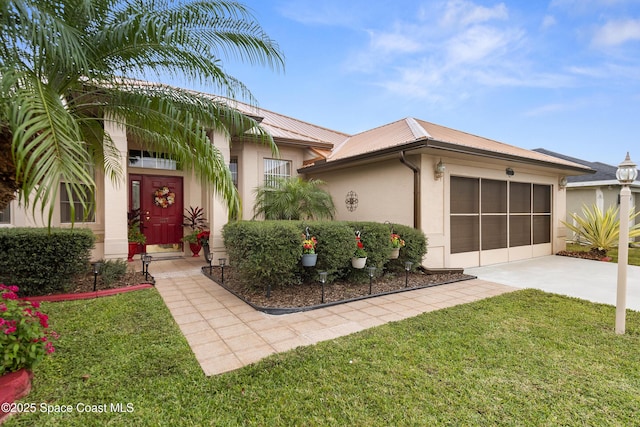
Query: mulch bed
point(306, 295)
point(583, 255)
point(85, 283)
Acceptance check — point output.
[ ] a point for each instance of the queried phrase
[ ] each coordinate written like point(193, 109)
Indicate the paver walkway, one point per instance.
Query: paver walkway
point(226, 334)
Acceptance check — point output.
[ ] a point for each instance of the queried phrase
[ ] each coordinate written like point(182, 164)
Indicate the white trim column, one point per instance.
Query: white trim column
point(116, 202)
point(219, 215)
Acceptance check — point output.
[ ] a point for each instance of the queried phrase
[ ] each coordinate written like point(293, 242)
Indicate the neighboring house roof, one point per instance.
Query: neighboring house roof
point(604, 174)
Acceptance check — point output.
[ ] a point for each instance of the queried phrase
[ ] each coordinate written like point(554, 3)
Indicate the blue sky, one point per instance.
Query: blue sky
point(562, 74)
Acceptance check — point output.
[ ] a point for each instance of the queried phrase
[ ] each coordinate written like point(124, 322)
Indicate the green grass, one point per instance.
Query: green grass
point(524, 358)
point(634, 253)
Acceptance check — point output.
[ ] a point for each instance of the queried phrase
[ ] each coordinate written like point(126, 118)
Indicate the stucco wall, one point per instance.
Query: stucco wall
point(251, 169)
point(384, 192)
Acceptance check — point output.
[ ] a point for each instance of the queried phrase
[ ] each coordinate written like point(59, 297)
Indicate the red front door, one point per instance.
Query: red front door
point(160, 214)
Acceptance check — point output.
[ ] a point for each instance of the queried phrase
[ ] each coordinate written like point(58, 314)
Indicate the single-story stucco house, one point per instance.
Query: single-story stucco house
point(477, 200)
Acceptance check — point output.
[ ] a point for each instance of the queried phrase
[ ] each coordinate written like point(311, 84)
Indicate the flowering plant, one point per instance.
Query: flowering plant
point(24, 334)
point(396, 241)
point(199, 237)
point(203, 237)
point(164, 197)
point(360, 252)
point(309, 244)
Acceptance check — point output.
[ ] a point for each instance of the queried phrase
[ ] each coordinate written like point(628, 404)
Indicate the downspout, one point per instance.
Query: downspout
point(416, 190)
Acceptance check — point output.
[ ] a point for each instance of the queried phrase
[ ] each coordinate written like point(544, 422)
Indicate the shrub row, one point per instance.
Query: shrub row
point(269, 252)
point(41, 261)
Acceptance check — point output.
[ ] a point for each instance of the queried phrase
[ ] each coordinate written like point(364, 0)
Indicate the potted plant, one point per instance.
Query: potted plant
point(134, 235)
point(396, 244)
point(25, 339)
point(195, 220)
point(309, 255)
point(359, 258)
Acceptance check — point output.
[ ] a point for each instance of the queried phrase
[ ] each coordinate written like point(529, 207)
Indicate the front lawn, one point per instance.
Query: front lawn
point(524, 358)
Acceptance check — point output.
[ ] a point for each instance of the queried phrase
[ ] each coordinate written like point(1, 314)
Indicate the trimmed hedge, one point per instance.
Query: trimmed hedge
point(41, 261)
point(264, 252)
point(269, 252)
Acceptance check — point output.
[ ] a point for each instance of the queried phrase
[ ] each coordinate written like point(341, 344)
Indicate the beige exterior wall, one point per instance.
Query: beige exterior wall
point(384, 190)
point(251, 169)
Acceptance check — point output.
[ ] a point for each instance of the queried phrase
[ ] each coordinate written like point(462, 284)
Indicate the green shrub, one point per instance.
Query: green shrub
point(269, 252)
point(42, 261)
point(264, 252)
point(375, 237)
point(336, 244)
point(112, 270)
point(414, 250)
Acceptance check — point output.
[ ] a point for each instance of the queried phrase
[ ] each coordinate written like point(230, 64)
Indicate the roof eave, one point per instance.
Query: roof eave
point(445, 146)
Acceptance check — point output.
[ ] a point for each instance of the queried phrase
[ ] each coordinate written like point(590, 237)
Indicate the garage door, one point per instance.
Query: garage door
point(498, 221)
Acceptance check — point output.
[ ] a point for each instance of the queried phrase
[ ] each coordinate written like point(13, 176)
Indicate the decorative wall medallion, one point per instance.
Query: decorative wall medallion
point(351, 201)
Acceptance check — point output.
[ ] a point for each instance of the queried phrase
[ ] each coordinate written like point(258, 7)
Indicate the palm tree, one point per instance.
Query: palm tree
point(293, 198)
point(66, 66)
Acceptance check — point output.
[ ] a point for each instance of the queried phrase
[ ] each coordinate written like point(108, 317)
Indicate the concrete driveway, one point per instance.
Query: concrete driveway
point(590, 280)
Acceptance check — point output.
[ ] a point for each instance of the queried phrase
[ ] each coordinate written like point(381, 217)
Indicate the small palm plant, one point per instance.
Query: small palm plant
point(293, 199)
point(598, 230)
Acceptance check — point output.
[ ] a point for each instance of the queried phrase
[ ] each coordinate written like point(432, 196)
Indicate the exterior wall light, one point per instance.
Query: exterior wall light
point(562, 182)
point(626, 174)
point(510, 172)
point(439, 170)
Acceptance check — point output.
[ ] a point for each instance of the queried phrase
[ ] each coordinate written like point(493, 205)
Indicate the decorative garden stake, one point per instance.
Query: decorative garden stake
point(371, 270)
point(407, 268)
point(323, 280)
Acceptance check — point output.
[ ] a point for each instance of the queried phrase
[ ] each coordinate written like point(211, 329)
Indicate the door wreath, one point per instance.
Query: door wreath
point(164, 197)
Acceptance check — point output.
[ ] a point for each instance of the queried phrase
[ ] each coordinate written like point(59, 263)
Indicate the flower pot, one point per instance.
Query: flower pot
point(358, 262)
point(14, 386)
point(133, 249)
point(309, 260)
point(195, 249)
point(395, 253)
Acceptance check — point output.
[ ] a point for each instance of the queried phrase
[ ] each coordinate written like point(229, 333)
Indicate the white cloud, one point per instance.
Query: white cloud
point(548, 21)
point(393, 43)
point(478, 43)
point(615, 33)
point(461, 13)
